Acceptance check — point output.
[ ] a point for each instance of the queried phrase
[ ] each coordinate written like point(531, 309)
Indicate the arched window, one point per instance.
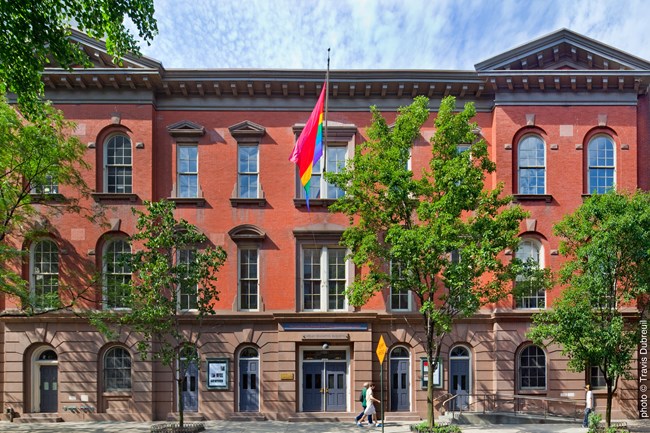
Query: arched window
point(117, 370)
point(531, 163)
point(459, 352)
point(118, 165)
point(44, 273)
point(529, 251)
point(48, 355)
point(532, 368)
point(601, 165)
point(117, 274)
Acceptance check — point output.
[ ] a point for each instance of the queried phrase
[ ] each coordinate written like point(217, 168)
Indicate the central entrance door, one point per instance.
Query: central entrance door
point(459, 377)
point(324, 381)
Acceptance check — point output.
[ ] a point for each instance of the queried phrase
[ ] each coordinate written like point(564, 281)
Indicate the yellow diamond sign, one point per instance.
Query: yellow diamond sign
point(381, 349)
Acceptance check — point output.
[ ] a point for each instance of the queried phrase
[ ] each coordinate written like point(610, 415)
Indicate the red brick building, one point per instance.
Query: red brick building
point(564, 116)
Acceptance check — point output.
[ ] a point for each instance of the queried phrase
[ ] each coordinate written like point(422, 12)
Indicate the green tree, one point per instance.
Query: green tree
point(438, 235)
point(172, 290)
point(606, 241)
point(36, 33)
point(36, 158)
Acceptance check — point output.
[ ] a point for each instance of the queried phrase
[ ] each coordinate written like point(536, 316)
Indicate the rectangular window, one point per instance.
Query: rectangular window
point(50, 186)
point(188, 171)
point(248, 279)
point(248, 171)
point(333, 160)
point(596, 377)
point(400, 296)
point(188, 293)
point(324, 278)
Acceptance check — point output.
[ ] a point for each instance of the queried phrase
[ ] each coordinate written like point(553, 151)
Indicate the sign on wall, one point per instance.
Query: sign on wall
point(437, 374)
point(217, 373)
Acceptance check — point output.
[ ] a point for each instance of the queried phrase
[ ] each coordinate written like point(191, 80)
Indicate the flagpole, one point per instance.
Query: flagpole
point(327, 95)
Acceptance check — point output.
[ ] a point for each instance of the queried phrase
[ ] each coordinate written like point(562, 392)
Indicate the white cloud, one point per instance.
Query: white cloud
point(379, 34)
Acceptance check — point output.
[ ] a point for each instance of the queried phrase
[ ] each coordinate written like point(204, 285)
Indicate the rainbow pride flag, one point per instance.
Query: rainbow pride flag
point(309, 147)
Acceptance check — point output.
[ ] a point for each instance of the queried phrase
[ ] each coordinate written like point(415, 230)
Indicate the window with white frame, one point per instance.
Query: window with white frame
point(44, 273)
point(188, 171)
point(601, 164)
point(49, 186)
point(333, 160)
point(248, 170)
point(188, 292)
point(532, 368)
point(400, 296)
point(117, 370)
point(118, 165)
point(248, 278)
point(324, 278)
point(531, 163)
point(530, 252)
point(116, 274)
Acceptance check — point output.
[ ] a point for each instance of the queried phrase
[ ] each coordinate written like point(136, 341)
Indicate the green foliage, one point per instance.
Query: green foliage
point(161, 280)
point(606, 242)
point(35, 33)
point(32, 154)
point(421, 222)
point(593, 422)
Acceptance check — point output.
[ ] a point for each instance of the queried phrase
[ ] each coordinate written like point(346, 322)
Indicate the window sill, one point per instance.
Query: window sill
point(533, 392)
point(111, 196)
point(532, 197)
point(238, 201)
point(191, 201)
point(126, 394)
point(43, 198)
point(316, 202)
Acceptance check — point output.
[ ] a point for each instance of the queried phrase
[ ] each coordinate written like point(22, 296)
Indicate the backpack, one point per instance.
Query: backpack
point(361, 397)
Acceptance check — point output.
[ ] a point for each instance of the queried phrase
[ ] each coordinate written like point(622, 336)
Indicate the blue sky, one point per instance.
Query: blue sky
point(379, 34)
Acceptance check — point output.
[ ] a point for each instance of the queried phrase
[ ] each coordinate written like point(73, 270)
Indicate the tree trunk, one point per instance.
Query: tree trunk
point(180, 399)
point(608, 411)
point(430, 409)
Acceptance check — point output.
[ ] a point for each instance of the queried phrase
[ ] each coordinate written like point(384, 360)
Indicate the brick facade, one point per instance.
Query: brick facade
point(564, 98)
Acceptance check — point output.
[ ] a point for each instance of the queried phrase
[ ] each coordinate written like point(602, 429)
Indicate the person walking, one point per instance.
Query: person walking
point(363, 401)
point(370, 403)
point(589, 405)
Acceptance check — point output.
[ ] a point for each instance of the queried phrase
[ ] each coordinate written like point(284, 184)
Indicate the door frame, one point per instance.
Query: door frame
point(410, 378)
point(36, 376)
point(470, 374)
point(348, 379)
point(198, 382)
point(259, 379)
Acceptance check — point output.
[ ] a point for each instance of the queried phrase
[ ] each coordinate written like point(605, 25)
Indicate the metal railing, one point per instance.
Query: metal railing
point(517, 404)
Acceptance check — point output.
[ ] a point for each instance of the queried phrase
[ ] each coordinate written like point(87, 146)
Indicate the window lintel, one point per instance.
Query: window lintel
point(186, 129)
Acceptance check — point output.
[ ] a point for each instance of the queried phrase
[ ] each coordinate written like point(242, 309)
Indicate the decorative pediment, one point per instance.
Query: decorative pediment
point(186, 128)
point(247, 232)
point(563, 50)
point(247, 129)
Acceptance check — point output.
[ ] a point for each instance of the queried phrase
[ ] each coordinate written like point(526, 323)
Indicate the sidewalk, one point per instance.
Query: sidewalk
point(274, 427)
